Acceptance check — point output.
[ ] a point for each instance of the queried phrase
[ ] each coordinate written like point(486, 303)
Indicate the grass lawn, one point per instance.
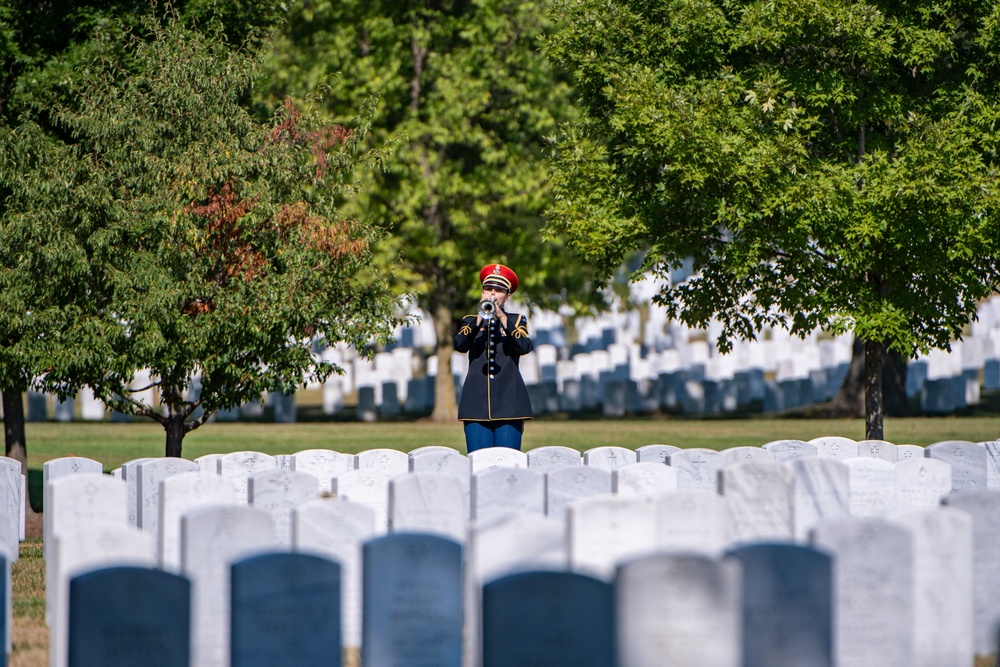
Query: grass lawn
point(113, 444)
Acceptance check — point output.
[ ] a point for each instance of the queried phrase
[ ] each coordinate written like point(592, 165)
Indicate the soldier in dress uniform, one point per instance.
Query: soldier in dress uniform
point(494, 400)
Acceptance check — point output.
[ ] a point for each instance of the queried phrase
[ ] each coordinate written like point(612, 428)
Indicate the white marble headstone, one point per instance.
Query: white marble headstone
point(500, 491)
point(873, 591)
point(130, 476)
point(992, 464)
point(904, 452)
point(238, 466)
point(655, 453)
point(279, 492)
point(337, 529)
point(693, 521)
point(760, 495)
point(428, 502)
point(212, 539)
point(680, 610)
point(984, 509)
point(83, 549)
point(697, 469)
point(544, 459)
point(389, 461)
point(878, 449)
point(209, 463)
point(644, 480)
point(822, 492)
point(568, 484)
point(921, 483)
point(872, 486)
point(369, 487)
point(967, 460)
point(608, 458)
point(182, 493)
point(738, 454)
point(604, 530)
point(513, 543)
point(12, 502)
point(149, 474)
point(835, 447)
point(54, 469)
point(943, 597)
point(789, 450)
point(323, 464)
point(496, 457)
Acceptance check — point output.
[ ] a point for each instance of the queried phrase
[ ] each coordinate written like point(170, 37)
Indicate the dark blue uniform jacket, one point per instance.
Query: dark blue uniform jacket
point(494, 388)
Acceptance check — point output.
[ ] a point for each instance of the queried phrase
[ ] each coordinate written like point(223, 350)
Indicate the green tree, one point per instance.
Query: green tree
point(176, 233)
point(42, 46)
point(467, 93)
point(827, 164)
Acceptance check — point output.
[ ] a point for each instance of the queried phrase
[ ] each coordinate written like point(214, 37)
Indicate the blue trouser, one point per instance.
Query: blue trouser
point(479, 435)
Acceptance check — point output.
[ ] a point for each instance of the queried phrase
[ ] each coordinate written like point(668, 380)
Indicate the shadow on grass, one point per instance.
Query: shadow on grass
point(35, 489)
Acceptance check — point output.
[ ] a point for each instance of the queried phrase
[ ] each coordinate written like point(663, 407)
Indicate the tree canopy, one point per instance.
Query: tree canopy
point(829, 164)
point(174, 232)
point(469, 98)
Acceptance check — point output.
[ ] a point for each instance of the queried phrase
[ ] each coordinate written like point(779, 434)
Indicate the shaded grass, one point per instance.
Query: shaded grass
point(30, 634)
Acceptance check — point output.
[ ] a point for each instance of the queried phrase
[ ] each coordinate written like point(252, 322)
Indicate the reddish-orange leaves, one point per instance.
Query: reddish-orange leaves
point(318, 142)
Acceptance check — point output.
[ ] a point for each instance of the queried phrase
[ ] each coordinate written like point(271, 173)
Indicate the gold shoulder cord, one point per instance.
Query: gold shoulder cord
point(466, 329)
point(520, 331)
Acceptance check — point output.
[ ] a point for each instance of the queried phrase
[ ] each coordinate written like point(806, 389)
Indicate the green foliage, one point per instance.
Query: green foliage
point(175, 232)
point(826, 164)
point(466, 93)
point(43, 45)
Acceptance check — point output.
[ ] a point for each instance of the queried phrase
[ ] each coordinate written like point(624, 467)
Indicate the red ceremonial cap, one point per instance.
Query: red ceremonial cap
point(498, 275)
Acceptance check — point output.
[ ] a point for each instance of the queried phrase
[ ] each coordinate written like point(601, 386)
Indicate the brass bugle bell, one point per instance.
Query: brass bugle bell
point(487, 308)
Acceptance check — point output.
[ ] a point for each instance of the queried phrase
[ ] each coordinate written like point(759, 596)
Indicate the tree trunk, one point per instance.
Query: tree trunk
point(13, 427)
point(445, 407)
point(16, 445)
point(175, 436)
point(850, 401)
point(873, 390)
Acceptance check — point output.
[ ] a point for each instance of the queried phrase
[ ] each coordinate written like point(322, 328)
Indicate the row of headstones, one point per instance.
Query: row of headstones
point(864, 593)
point(686, 391)
point(756, 510)
point(974, 466)
point(695, 468)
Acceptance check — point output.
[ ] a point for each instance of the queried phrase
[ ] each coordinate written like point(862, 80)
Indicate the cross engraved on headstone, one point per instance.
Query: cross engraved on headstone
point(697, 464)
point(283, 482)
point(511, 480)
point(248, 463)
